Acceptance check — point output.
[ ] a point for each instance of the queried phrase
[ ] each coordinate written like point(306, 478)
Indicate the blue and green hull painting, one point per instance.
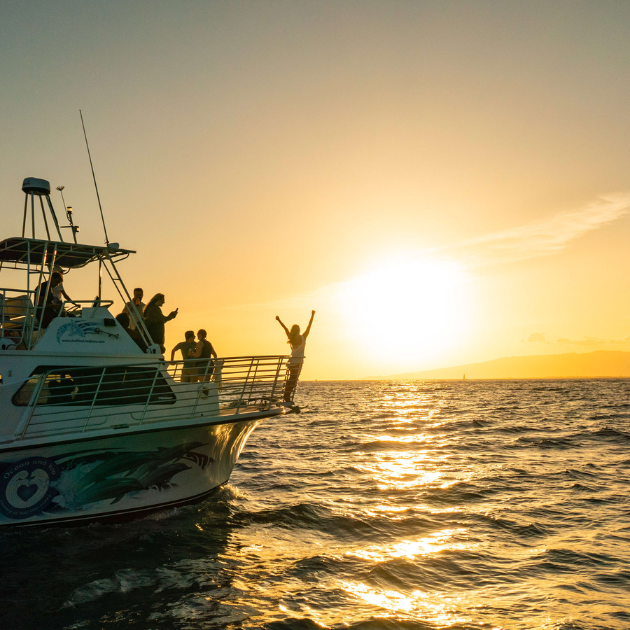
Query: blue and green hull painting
point(117, 475)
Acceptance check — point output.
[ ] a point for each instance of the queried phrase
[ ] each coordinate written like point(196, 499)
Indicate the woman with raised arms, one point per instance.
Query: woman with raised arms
point(297, 343)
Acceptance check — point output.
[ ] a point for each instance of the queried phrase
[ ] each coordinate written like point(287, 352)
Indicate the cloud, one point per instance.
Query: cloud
point(547, 237)
point(591, 341)
point(532, 240)
point(537, 337)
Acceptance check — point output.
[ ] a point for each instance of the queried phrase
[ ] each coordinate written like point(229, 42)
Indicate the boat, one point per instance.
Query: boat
point(94, 425)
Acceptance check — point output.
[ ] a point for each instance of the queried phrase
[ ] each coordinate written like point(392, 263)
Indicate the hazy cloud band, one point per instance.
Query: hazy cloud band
point(547, 237)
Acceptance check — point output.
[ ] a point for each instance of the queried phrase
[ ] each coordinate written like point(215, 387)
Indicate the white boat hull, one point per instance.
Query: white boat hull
point(116, 476)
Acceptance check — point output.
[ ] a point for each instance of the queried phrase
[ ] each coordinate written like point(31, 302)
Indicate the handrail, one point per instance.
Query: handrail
point(28, 414)
point(146, 404)
point(38, 258)
point(78, 303)
point(16, 311)
point(240, 398)
point(98, 389)
point(86, 398)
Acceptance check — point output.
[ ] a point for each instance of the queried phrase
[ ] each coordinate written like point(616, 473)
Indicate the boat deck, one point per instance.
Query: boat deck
point(70, 400)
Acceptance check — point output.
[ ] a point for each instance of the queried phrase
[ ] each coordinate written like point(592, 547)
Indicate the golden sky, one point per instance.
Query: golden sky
point(444, 182)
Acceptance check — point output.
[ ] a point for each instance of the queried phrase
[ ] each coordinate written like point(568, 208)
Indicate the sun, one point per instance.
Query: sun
point(408, 309)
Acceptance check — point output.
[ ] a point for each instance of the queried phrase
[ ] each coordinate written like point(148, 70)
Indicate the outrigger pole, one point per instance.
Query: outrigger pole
point(94, 178)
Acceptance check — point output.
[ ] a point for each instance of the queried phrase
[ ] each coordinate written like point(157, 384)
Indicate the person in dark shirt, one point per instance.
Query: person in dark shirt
point(154, 319)
point(47, 309)
point(187, 349)
point(123, 320)
point(204, 351)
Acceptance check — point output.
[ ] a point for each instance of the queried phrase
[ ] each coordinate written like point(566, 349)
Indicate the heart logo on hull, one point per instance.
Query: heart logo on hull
point(26, 492)
point(25, 487)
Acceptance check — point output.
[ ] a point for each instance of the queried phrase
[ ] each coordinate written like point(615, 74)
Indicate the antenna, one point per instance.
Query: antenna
point(68, 209)
point(94, 177)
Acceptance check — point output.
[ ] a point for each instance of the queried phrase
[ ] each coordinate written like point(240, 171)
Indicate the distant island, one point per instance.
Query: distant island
point(600, 364)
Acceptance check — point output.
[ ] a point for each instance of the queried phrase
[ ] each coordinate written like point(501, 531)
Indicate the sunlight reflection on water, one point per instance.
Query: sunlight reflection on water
point(409, 549)
point(434, 504)
point(416, 603)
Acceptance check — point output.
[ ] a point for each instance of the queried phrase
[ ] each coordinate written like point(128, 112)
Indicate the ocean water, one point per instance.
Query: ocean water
point(412, 505)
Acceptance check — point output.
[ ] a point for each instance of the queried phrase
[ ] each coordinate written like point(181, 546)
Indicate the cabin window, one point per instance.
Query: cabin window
point(81, 386)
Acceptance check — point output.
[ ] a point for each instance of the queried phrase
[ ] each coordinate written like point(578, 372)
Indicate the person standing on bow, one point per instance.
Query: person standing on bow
point(154, 319)
point(138, 294)
point(297, 343)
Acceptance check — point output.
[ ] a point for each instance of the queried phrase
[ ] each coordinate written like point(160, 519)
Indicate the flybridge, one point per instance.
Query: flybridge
point(29, 251)
point(23, 308)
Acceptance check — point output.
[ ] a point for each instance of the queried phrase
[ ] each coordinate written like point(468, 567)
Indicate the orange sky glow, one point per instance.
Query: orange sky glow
point(443, 182)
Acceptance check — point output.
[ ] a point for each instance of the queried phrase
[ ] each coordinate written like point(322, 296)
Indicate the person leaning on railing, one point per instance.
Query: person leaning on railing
point(187, 348)
point(123, 320)
point(136, 305)
point(297, 343)
point(154, 319)
point(204, 350)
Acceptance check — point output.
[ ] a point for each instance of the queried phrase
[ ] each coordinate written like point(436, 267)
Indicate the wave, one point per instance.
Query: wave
point(609, 432)
point(506, 507)
point(355, 526)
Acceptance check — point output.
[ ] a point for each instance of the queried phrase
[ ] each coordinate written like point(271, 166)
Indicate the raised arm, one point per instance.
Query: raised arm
point(310, 323)
point(286, 330)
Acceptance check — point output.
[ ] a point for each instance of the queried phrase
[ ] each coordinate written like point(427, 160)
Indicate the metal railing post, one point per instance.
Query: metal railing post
point(98, 387)
point(240, 400)
point(32, 403)
point(275, 381)
point(192, 414)
point(27, 324)
point(251, 386)
point(4, 306)
point(144, 411)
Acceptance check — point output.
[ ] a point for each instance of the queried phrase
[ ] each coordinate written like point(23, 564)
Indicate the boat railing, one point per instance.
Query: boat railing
point(16, 315)
point(73, 308)
point(80, 399)
point(21, 320)
point(39, 258)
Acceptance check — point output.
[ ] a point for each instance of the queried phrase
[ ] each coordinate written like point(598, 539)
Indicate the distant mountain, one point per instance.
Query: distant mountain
point(602, 364)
